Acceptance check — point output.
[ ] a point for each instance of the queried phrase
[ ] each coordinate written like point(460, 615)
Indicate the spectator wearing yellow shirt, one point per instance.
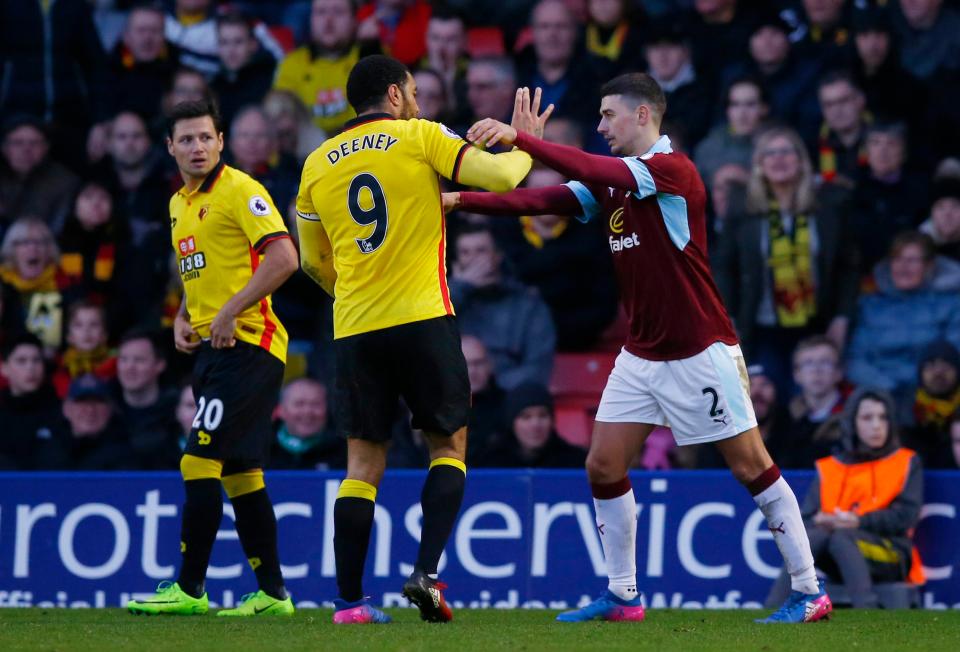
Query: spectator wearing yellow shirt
point(317, 72)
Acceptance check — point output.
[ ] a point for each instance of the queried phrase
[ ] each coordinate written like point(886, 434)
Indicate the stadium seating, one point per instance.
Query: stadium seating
point(485, 42)
point(577, 384)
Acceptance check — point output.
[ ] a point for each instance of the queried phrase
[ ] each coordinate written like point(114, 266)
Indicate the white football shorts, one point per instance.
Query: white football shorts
point(701, 399)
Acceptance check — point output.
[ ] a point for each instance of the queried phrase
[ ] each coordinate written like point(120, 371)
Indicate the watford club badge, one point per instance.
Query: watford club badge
point(203, 211)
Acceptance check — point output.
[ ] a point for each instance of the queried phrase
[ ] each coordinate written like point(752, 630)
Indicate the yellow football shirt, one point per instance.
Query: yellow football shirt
point(219, 231)
point(375, 190)
point(320, 83)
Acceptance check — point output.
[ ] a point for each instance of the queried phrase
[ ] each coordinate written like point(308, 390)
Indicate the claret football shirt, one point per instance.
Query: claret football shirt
point(658, 239)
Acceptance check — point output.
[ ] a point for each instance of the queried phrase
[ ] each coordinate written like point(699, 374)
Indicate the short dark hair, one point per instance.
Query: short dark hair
point(752, 81)
point(190, 110)
point(152, 6)
point(424, 70)
point(639, 86)
point(475, 229)
point(813, 342)
point(896, 128)
point(907, 238)
point(235, 18)
point(23, 338)
point(370, 78)
point(143, 334)
point(836, 76)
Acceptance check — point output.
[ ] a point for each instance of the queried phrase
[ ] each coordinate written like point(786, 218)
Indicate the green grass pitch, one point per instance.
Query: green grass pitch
point(487, 630)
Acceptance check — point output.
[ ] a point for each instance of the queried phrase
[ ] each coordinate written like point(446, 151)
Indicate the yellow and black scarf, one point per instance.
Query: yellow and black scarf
point(532, 236)
point(614, 45)
point(791, 263)
point(47, 281)
point(828, 152)
point(931, 411)
point(78, 362)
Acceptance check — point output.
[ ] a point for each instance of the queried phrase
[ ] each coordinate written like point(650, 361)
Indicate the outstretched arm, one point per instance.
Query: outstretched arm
point(496, 172)
point(550, 200)
point(607, 171)
point(573, 163)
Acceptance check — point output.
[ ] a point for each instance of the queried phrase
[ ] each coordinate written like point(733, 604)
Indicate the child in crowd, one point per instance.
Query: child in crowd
point(87, 350)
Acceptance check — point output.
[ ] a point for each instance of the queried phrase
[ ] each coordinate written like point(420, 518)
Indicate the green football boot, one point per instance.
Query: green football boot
point(170, 599)
point(260, 604)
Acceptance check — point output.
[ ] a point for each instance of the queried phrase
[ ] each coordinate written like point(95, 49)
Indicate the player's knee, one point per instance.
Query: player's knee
point(744, 472)
point(747, 468)
point(602, 469)
point(200, 468)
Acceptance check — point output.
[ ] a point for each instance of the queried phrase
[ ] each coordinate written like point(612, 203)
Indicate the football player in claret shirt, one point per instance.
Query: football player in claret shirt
point(372, 235)
point(681, 363)
point(233, 251)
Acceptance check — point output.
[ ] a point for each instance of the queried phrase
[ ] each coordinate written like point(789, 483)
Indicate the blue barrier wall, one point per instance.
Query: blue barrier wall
point(524, 539)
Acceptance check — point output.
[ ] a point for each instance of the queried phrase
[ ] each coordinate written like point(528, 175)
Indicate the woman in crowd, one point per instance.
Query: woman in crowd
point(532, 440)
point(863, 505)
point(786, 262)
point(31, 274)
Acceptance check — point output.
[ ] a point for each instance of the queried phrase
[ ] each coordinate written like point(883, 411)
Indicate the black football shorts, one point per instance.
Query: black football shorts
point(236, 390)
point(421, 362)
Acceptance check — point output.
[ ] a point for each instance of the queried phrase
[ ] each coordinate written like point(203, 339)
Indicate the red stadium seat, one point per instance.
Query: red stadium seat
point(485, 42)
point(579, 378)
point(574, 424)
point(615, 335)
point(577, 384)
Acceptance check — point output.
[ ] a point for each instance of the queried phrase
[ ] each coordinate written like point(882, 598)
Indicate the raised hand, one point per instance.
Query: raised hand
point(488, 132)
point(525, 112)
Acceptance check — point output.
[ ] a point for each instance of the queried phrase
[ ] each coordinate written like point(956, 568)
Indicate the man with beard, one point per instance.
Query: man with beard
point(372, 234)
point(936, 399)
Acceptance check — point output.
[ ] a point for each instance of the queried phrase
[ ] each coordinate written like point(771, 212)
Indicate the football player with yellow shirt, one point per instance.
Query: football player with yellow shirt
point(372, 234)
point(233, 251)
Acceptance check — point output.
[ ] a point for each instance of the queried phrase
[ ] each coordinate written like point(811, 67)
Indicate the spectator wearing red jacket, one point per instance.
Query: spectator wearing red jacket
point(399, 25)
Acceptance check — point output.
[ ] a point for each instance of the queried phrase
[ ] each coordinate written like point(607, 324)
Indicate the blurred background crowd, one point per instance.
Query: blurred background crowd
point(827, 133)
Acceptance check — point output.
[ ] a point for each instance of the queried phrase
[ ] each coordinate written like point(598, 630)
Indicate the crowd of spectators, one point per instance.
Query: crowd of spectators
point(827, 133)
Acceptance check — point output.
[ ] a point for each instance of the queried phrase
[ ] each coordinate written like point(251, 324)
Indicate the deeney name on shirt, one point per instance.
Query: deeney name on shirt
point(370, 141)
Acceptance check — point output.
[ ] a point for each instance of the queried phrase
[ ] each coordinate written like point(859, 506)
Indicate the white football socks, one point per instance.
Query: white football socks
point(617, 523)
point(779, 505)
